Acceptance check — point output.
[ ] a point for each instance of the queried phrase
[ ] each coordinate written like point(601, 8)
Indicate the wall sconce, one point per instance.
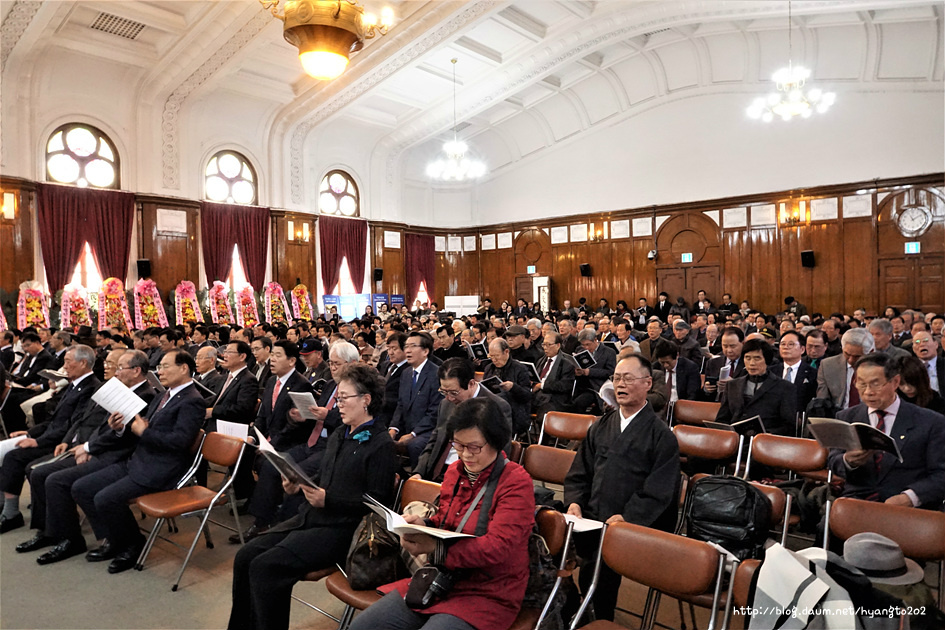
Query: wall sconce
point(790, 217)
point(9, 206)
point(596, 233)
point(298, 234)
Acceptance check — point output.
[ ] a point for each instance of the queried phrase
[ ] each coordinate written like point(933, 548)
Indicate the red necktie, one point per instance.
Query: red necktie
point(164, 399)
point(275, 391)
point(545, 369)
point(229, 379)
point(881, 425)
point(854, 395)
point(320, 424)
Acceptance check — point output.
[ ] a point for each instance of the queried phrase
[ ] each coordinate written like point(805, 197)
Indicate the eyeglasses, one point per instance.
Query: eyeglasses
point(342, 398)
point(626, 378)
point(336, 364)
point(916, 340)
point(449, 393)
point(411, 345)
point(474, 449)
point(161, 367)
point(873, 385)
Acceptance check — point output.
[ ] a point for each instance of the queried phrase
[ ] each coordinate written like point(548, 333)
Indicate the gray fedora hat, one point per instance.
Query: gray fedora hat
point(881, 560)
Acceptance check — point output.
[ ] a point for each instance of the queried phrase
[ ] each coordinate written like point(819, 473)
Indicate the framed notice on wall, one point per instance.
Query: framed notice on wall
point(488, 241)
point(579, 233)
point(469, 243)
point(439, 243)
point(559, 235)
point(455, 243)
point(391, 239)
point(734, 218)
point(504, 240)
point(643, 227)
point(620, 229)
point(172, 221)
point(823, 209)
point(856, 206)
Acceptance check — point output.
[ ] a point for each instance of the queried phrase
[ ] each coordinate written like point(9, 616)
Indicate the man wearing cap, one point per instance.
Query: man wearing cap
point(686, 345)
point(515, 336)
point(313, 359)
point(919, 479)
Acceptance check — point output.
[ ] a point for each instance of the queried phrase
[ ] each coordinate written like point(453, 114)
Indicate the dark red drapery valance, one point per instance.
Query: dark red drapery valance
point(418, 264)
point(69, 216)
point(342, 238)
point(223, 226)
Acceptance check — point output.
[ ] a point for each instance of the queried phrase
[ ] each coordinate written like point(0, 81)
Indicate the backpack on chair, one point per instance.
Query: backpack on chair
point(729, 512)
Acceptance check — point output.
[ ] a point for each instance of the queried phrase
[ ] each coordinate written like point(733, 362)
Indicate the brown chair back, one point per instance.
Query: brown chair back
point(694, 411)
point(744, 574)
point(548, 464)
point(222, 450)
point(553, 528)
point(713, 444)
point(667, 562)
point(776, 498)
point(568, 426)
point(198, 442)
point(790, 453)
point(418, 490)
point(515, 455)
point(920, 533)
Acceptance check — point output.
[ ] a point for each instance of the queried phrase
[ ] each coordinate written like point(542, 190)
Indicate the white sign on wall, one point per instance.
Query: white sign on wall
point(391, 239)
point(643, 227)
point(620, 229)
point(488, 241)
point(439, 243)
point(559, 235)
point(856, 206)
point(824, 209)
point(579, 233)
point(734, 218)
point(455, 243)
point(469, 243)
point(174, 221)
point(504, 240)
point(764, 215)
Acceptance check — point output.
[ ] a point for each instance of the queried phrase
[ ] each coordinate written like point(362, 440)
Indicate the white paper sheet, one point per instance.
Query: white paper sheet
point(302, 401)
point(583, 524)
point(8, 445)
point(115, 397)
point(233, 429)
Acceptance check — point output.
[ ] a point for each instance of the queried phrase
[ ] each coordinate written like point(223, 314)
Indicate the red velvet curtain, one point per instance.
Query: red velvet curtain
point(342, 238)
point(418, 264)
point(223, 226)
point(355, 240)
point(69, 216)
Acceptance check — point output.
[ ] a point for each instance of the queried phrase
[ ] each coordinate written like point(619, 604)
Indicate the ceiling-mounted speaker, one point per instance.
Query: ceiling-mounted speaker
point(378, 274)
point(144, 268)
point(586, 270)
point(807, 258)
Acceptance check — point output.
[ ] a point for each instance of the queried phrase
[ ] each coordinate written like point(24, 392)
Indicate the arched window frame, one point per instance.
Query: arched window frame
point(246, 165)
point(350, 190)
point(105, 150)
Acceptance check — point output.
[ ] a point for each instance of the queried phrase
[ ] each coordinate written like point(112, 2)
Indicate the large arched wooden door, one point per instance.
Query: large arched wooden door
point(532, 249)
point(692, 237)
point(911, 280)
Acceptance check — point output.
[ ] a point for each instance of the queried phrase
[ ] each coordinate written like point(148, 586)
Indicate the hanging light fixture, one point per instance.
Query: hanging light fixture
point(326, 32)
point(791, 99)
point(456, 167)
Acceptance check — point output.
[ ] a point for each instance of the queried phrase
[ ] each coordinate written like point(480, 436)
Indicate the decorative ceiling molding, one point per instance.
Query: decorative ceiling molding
point(407, 54)
point(170, 155)
point(14, 25)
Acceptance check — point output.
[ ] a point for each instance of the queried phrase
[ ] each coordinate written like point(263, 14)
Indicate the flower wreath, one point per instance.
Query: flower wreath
point(186, 306)
point(246, 313)
point(74, 308)
point(219, 298)
point(31, 307)
point(113, 306)
point(149, 307)
point(276, 308)
point(301, 302)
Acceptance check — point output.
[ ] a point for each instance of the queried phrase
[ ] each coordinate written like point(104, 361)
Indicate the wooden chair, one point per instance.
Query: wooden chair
point(518, 449)
point(919, 533)
point(337, 583)
point(186, 500)
point(742, 588)
point(693, 412)
point(666, 563)
point(714, 445)
point(565, 426)
point(547, 464)
point(557, 534)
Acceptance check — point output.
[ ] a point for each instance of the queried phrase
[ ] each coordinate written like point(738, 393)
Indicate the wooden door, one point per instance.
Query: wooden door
point(673, 281)
point(930, 284)
point(523, 288)
point(897, 283)
point(704, 279)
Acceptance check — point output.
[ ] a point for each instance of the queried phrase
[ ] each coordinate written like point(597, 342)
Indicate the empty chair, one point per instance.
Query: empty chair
point(693, 412)
point(547, 464)
point(742, 587)
point(713, 445)
point(919, 533)
point(219, 449)
point(566, 426)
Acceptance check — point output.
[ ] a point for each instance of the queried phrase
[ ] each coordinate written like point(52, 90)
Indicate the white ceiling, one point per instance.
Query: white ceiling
point(532, 74)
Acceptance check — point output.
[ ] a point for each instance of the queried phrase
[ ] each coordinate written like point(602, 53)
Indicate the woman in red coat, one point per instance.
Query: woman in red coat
point(491, 570)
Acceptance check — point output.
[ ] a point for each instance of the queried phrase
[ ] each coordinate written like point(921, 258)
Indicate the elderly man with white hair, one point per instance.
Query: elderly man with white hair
point(835, 374)
point(882, 332)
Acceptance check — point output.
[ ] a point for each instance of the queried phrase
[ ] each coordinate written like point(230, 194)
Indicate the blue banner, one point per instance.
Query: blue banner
point(330, 301)
point(397, 300)
point(377, 299)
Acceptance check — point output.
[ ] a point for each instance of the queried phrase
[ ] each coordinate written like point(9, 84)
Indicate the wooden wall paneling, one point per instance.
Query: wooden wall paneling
point(469, 269)
point(17, 242)
point(766, 270)
point(930, 284)
point(293, 259)
point(498, 283)
point(173, 256)
point(390, 260)
point(621, 272)
point(644, 270)
point(828, 268)
point(795, 278)
point(860, 279)
point(736, 265)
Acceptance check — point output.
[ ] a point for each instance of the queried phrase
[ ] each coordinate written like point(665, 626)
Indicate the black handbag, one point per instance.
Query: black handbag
point(374, 557)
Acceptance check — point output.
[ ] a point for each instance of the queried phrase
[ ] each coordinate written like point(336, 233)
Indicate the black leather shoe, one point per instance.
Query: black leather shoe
point(7, 524)
point(125, 560)
point(251, 532)
point(38, 541)
point(66, 549)
point(106, 552)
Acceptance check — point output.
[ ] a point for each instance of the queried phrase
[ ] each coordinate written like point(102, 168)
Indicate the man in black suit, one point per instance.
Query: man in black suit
point(419, 399)
point(304, 440)
point(686, 344)
point(261, 347)
point(924, 347)
point(556, 371)
point(759, 393)
point(732, 340)
point(7, 355)
point(662, 307)
point(726, 308)
point(93, 445)
point(207, 373)
point(515, 383)
point(569, 342)
point(314, 362)
point(236, 401)
point(163, 453)
point(919, 480)
point(272, 419)
point(457, 383)
point(201, 339)
point(642, 314)
point(42, 441)
point(793, 369)
point(589, 380)
point(521, 309)
point(392, 370)
point(59, 342)
point(682, 375)
point(626, 470)
point(36, 358)
point(448, 349)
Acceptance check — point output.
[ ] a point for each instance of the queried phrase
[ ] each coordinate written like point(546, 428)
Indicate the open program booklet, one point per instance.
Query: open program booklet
point(851, 436)
point(397, 525)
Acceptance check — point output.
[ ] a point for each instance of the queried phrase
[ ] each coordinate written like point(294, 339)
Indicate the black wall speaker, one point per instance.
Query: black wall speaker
point(585, 270)
point(144, 268)
point(807, 258)
point(378, 274)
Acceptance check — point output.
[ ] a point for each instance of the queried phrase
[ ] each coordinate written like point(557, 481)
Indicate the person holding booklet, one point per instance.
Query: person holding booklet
point(759, 392)
point(919, 479)
point(359, 459)
point(490, 570)
point(514, 383)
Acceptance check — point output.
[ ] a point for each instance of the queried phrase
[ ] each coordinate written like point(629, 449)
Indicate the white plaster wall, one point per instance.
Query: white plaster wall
point(705, 147)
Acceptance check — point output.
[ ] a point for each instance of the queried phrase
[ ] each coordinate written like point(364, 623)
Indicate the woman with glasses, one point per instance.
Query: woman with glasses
point(760, 392)
point(359, 459)
point(915, 387)
point(490, 571)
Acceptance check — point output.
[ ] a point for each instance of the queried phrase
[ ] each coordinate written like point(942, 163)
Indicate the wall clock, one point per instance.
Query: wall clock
point(913, 219)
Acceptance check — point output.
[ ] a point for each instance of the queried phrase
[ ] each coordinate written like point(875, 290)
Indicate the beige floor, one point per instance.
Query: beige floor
point(76, 594)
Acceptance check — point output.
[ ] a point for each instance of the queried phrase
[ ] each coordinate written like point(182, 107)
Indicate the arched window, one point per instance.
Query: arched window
point(82, 155)
point(338, 195)
point(230, 178)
